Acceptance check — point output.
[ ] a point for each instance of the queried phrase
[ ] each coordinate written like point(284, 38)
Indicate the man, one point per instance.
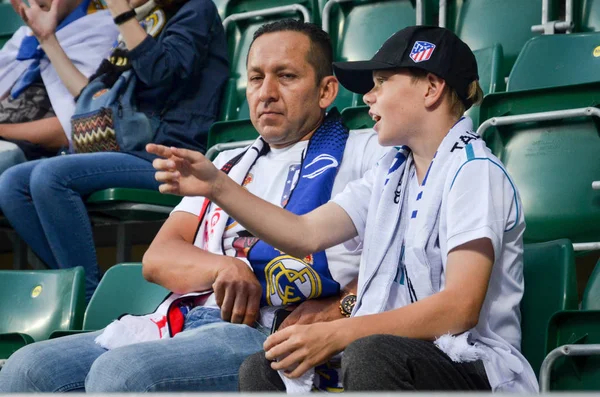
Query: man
point(35, 105)
point(290, 86)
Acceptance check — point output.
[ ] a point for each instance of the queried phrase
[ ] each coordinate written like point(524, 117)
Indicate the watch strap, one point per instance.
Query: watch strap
point(124, 17)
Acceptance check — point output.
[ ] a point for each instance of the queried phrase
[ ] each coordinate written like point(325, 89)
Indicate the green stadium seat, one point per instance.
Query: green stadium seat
point(575, 332)
point(489, 65)
point(228, 135)
point(221, 7)
point(10, 21)
point(240, 27)
point(35, 303)
point(121, 206)
point(359, 28)
point(550, 286)
point(555, 60)
point(554, 161)
point(482, 23)
point(125, 204)
point(587, 14)
point(122, 290)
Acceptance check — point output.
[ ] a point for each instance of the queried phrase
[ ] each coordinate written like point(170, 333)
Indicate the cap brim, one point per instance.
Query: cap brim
point(358, 76)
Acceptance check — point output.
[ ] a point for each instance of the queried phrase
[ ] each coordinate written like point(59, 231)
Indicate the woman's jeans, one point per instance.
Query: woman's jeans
point(206, 356)
point(44, 202)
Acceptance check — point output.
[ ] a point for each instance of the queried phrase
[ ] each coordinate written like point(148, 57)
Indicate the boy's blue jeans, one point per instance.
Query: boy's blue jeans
point(206, 356)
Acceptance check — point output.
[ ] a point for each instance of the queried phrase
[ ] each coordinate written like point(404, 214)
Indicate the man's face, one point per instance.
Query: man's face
point(282, 92)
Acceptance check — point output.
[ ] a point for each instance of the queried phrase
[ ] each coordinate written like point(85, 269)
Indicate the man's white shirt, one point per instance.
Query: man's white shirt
point(272, 178)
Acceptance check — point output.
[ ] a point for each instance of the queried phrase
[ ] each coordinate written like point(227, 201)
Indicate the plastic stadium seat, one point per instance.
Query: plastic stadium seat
point(122, 290)
point(555, 60)
point(482, 23)
point(221, 7)
point(552, 162)
point(550, 286)
point(489, 66)
point(240, 6)
point(35, 303)
point(124, 204)
point(359, 28)
point(240, 30)
point(223, 134)
point(577, 330)
point(589, 16)
point(10, 21)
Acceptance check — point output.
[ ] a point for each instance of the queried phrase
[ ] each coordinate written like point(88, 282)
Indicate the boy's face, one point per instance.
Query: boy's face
point(395, 104)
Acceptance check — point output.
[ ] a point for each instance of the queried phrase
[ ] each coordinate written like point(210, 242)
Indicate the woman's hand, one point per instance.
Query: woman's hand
point(43, 23)
point(117, 7)
point(299, 348)
point(184, 172)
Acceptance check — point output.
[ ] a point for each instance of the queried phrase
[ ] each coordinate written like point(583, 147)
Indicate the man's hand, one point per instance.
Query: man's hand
point(301, 347)
point(42, 22)
point(184, 172)
point(238, 293)
point(314, 311)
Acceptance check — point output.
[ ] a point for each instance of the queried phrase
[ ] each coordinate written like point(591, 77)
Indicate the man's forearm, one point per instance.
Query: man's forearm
point(181, 267)
point(46, 132)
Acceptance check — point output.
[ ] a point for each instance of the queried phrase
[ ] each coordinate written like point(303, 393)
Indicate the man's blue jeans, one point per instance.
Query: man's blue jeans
point(206, 356)
point(44, 202)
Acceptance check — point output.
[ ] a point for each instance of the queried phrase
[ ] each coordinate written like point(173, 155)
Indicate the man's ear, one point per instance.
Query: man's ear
point(328, 90)
point(436, 88)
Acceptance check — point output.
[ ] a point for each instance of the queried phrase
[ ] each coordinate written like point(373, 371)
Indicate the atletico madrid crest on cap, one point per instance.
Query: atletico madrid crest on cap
point(422, 51)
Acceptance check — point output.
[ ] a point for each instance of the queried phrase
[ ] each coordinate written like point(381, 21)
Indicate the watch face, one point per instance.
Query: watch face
point(348, 303)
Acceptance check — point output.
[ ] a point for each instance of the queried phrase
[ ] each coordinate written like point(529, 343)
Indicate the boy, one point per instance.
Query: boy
point(441, 227)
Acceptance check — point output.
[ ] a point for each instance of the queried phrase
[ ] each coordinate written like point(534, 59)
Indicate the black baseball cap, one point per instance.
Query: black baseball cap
point(430, 48)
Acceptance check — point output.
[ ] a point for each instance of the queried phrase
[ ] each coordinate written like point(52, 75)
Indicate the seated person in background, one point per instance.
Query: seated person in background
point(302, 157)
point(442, 227)
point(35, 105)
point(181, 73)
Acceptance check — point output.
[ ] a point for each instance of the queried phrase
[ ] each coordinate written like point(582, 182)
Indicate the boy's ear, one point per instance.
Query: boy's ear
point(328, 90)
point(435, 90)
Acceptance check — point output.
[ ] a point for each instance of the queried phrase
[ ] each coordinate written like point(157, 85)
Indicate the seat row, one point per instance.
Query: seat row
point(37, 305)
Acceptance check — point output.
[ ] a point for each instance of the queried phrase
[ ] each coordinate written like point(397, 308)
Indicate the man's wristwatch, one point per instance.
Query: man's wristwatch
point(347, 304)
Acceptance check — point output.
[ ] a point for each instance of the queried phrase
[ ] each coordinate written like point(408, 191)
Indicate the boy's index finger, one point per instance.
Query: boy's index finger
point(190, 155)
point(159, 150)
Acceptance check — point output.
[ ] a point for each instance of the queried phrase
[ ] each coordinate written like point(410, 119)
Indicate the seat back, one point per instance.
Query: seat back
point(230, 131)
point(38, 302)
point(550, 286)
point(553, 163)
point(122, 290)
point(489, 67)
point(482, 23)
point(591, 295)
point(359, 28)
point(556, 60)
point(10, 21)
point(587, 14)
point(221, 7)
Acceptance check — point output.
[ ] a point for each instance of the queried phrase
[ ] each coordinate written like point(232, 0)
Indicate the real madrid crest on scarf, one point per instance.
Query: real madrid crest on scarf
point(286, 279)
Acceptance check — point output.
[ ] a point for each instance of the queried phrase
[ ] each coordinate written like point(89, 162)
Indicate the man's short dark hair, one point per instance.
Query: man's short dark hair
point(320, 53)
